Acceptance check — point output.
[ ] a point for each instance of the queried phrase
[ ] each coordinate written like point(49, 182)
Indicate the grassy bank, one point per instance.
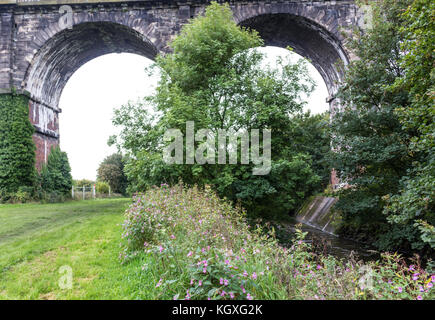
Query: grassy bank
point(36, 240)
point(177, 243)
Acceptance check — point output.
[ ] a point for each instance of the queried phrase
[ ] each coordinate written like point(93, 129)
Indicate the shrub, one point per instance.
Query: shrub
point(197, 246)
point(102, 187)
point(83, 183)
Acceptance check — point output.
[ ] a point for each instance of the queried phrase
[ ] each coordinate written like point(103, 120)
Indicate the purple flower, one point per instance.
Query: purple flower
point(159, 283)
point(249, 297)
point(254, 276)
point(399, 289)
point(419, 298)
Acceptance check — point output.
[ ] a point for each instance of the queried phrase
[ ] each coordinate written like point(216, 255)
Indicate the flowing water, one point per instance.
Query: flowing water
point(318, 220)
point(327, 242)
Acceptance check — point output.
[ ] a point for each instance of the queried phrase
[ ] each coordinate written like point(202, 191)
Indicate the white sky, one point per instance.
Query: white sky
point(106, 83)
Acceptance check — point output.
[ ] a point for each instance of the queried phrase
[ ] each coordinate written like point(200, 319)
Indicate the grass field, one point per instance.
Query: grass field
point(36, 240)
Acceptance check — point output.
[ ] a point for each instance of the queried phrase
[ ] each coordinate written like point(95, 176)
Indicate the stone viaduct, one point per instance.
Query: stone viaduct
point(39, 51)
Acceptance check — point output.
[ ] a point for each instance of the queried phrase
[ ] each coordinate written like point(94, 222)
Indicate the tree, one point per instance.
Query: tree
point(17, 150)
point(310, 134)
point(373, 148)
point(415, 203)
point(111, 170)
point(56, 173)
point(213, 77)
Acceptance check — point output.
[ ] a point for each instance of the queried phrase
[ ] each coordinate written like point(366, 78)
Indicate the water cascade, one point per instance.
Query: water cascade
point(317, 213)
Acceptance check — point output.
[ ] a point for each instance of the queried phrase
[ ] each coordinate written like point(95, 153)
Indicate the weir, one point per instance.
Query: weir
point(317, 213)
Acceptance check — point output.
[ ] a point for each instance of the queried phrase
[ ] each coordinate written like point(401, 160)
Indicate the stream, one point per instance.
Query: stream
point(328, 243)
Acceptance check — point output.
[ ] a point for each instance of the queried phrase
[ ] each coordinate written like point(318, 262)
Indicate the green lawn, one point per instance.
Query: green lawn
point(37, 239)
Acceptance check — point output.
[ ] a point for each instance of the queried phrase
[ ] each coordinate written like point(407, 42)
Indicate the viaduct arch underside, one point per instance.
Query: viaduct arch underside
point(38, 56)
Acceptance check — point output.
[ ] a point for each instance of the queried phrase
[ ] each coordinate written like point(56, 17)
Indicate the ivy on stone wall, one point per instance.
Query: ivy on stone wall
point(17, 149)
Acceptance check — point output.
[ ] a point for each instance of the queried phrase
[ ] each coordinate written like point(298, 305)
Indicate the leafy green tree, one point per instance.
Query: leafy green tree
point(415, 203)
point(310, 134)
point(373, 147)
point(17, 150)
point(111, 170)
point(213, 77)
point(56, 173)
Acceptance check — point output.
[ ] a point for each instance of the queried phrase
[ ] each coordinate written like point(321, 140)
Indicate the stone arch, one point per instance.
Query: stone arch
point(59, 57)
point(66, 51)
point(313, 30)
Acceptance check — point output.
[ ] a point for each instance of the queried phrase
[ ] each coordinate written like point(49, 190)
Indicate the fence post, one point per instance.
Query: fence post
point(72, 192)
point(83, 192)
point(110, 191)
point(93, 191)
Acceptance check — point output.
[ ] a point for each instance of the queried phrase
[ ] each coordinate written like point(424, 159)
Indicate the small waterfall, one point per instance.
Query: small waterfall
point(317, 213)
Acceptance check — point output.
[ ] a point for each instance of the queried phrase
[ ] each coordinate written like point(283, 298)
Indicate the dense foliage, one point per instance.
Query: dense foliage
point(102, 187)
point(213, 77)
point(197, 246)
point(83, 183)
point(383, 136)
point(55, 176)
point(17, 150)
point(415, 203)
point(111, 170)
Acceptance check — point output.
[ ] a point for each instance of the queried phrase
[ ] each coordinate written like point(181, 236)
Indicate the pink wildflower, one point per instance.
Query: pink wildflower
point(159, 283)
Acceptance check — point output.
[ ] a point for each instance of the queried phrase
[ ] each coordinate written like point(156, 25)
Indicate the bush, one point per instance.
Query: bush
point(83, 183)
point(102, 187)
point(197, 246)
